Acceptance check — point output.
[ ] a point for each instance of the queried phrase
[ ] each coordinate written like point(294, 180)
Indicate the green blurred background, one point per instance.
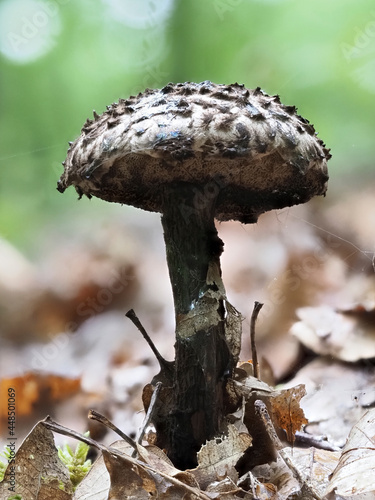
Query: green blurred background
point(61, 59)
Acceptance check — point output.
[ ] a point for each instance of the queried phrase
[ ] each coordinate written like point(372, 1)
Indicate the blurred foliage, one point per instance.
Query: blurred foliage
point(59, 59)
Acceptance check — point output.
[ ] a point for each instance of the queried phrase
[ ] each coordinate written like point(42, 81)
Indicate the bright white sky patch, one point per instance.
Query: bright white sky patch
point(28, 29)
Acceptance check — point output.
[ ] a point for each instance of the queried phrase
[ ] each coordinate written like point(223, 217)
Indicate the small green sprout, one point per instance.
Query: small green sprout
point(75, 462)
point(4, 455)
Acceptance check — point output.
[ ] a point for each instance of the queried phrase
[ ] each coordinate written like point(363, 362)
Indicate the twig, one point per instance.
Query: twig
point(262, 412)
point(320, 442)
point(164, 364)
point(60, 429)
point(94, 415)
point(257, 307)
point(149, 415)
point(65, 431)
point(252, 484)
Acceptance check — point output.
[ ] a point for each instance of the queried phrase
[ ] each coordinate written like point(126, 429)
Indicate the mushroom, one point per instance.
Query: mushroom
point(196, 152)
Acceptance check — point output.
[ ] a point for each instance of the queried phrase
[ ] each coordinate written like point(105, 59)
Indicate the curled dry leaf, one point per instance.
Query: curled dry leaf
point(158, 460)
point(279, 482)
point(217, 458)
point(36, 472)
point(130, 478)
point(346, 335)
point(283, 405)
point(354, 476)
point(95, 486)
point(286, 411)
point(299, 473)
point(127, 477)
point(338, 394)
point(314, 466)
point(226, 489)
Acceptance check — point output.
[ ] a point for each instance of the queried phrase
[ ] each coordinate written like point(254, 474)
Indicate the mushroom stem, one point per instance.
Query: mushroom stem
point(192, 245)
point(203, 356)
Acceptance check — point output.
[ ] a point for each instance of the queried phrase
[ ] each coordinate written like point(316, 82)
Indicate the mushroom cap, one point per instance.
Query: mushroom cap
point(242, 145)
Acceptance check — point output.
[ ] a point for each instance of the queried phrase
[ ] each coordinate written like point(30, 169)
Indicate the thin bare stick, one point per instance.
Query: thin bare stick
point(60, 429)
point(257, 307)
point(149, 415)
point(164, 364)
point(319, 442)
point(262, 412)
point(94, 415)
point(65, 431)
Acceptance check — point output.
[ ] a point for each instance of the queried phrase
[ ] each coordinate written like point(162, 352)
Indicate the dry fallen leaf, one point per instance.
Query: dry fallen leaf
point(217, 458)
point(128, 479)
point(317, 465)
point(283, 405)
point(283, 408)
point(354, 476)
point(278, 479)
point(95, 486)
point(286, 411)
point(151, 475)
point(131, 478)
point(314, 466)
point(346, 335)
point(38, 472)
point(338, 394)
point(158, 460)
point(299, 473)
point(226, 489)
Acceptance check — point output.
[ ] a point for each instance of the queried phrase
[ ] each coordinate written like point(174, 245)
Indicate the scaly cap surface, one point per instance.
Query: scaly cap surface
point(257, 153)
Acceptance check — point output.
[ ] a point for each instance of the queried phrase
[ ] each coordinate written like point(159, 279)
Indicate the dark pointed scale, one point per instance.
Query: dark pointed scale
point(60, 188)
point(253, 111)
point(182, 103)
point(290, 109)
point(309, 128)
point(220, 94)
point(230, 88)
point(300, 129)
point(128, 109)
point(187, 91)
point(167, 89)
point(79, 192)
point(327, 152)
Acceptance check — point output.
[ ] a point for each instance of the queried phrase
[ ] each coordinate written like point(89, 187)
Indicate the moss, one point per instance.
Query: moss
point(75, 461)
